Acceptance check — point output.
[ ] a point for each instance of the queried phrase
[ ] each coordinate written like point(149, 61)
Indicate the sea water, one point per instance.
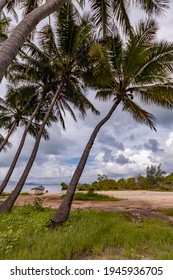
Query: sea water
point(28, 187)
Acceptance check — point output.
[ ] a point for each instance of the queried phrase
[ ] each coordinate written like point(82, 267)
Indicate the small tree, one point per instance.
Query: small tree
point(154, 175)
point(102, 177)
point(64, 186)
point(141, 182)
point(122, 183)
point(131, 183)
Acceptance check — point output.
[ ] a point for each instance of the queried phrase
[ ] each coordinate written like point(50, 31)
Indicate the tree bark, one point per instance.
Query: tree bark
point(8, 136)
point(8, 203)
point(3, 4)
point(63, 212)
point(13, 164)
point(15, 41)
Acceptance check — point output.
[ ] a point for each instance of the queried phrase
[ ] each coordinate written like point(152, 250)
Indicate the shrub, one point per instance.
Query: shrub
point(83, 187)
point(64, 186)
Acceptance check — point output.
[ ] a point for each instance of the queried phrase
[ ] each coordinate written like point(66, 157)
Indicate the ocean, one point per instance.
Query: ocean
point(28, 187)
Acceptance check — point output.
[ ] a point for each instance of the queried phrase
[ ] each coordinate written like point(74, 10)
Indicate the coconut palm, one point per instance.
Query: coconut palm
point(63, 72)
point(136, 70)
point(15, 112)
point(31, 126)
point(101, 8)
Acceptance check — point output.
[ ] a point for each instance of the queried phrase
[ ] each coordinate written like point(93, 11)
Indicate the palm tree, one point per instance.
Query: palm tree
point(138, 69)
point(15, 111)
point(30, 126)
point(101, 8)
point(64, 67)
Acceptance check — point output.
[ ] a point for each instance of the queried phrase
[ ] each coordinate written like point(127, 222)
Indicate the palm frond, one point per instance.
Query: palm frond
point(138, 46)
point(104, 95)
point(145, 31)
point(34, 129)
point(29, 5)
point(157, 65)
point(138, 113)
point(154, 6)
point(159, 95)
point(121, 11)
point(63, 105)
point(99, 58)
point(47, 41)
point(66, 28)
point(7, 145)
point(102, 15)
point(115, 47)
point(74, 94)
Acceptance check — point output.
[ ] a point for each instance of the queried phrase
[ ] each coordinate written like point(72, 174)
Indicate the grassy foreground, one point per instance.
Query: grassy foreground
point(87, 235)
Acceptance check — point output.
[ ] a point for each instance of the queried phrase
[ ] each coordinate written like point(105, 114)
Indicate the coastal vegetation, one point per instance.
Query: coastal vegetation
point(24, 235)
point(154, 179)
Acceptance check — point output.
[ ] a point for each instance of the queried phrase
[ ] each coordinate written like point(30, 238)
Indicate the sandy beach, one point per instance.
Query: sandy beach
point(132, 201)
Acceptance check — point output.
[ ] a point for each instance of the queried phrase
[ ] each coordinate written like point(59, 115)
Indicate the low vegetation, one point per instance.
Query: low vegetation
point(93, 197)
point(155, 179)
point(168, 212)
point(24, 235)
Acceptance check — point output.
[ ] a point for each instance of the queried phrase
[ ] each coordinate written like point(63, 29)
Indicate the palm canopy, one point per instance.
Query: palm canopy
point(59, 55)
point(25, 5)
point(17, 107)
point(107, 12)
point(136, 70)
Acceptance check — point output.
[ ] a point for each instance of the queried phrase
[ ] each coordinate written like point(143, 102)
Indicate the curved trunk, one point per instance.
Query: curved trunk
point(3, 4)
point(8, 136)
point(8, 203)
point(63, 212)
point(13, 164)
point(18, 36)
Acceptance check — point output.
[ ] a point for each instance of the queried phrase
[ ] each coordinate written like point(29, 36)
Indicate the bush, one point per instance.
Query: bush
point(64, 186)
point(83, 187)
point(106, 185)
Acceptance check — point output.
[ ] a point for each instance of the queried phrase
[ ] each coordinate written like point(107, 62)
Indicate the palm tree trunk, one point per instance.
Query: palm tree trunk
point(15, 41)
point(13, 164)
point(2, 4)
point(8, 136)
point(63, 212)
point(8, 203)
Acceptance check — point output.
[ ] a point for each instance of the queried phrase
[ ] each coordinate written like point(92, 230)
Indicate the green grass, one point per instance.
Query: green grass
point(168, 212)
point(94, 197)
point(87, 235)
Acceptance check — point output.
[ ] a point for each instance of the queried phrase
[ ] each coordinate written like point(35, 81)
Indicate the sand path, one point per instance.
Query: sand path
point(142, 202)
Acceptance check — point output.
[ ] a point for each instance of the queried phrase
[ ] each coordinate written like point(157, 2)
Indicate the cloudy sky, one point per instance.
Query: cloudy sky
point(123, 147)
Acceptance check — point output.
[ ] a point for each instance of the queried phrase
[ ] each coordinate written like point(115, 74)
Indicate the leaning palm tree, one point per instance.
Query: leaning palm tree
point(101, 9)
point(64, 74)
point(32, 124)
point(15, 112)
point(136, 70)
